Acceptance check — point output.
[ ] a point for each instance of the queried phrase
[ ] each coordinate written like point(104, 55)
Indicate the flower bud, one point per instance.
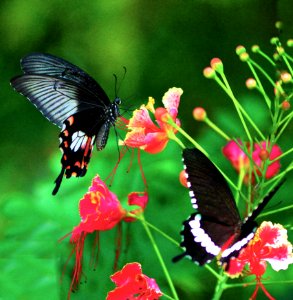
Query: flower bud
point(208, 72)
point(263, 154)
point(255, 48)
point(279, 25)
point(286, 105)
point(250, 83)
point(274, 40)
point(244, 56)
point(276, 56)
point(280, 50)
point(286, 77)
point(240, 49)
point(217, 65)
point(199, 114)
point(290, 43)
point(182, 178)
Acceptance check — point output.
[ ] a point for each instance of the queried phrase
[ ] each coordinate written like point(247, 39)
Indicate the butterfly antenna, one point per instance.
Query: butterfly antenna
point(117, 87)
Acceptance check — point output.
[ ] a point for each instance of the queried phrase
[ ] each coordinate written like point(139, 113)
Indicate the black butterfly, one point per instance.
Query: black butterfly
point(216, 229)
point(72, 100)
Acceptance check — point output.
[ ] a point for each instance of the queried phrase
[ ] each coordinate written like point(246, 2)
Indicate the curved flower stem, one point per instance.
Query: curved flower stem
point(226, 87)
point(240, 110)
point(216, 129)
point(166, 236)
point(156, 249)
point(250, 64)
point(275, 211)
point(220, 287)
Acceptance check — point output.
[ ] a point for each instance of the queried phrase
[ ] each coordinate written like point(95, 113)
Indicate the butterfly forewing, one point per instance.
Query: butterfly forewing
point(49, 65)
point(56, 99)
point(211, 192)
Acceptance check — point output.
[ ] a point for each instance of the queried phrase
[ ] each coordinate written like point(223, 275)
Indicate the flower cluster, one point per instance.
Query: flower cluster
point(100, 210)
point(143, 133)
point(254, 156)
point(269, 245)
point(133, 284)
point(262, 155)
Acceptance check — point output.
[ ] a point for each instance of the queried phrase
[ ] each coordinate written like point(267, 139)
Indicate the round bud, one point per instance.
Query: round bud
point(250, 83)
point(199, 114)
point(240, 49)
point(255, 48)
point(217, 65)
point(208, 72)
point(182, 178)
point(286, 105)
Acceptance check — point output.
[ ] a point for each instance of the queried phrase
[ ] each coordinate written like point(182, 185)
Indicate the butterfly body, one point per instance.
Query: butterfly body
point(215, 229)
point(71, 99)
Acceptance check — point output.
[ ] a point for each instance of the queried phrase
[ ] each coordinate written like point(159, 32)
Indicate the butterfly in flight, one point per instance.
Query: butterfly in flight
point(215, 229)
point(72, 100)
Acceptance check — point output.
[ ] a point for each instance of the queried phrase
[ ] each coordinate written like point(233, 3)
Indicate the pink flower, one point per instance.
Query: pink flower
point(100, 210)
point(240, 161)
point(269, 245)
point(132, 284)
point(144, 133)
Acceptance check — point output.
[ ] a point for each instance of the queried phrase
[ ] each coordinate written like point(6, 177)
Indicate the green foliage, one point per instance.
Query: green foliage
point(162, 44)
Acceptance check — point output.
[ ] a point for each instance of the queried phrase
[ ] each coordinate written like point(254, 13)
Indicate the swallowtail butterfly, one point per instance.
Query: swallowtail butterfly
point(72, 100)
point(215, 229)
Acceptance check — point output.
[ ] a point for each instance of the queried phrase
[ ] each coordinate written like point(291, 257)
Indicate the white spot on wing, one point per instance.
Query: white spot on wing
point(237, 246)
point(79, 140)
point(203, 238)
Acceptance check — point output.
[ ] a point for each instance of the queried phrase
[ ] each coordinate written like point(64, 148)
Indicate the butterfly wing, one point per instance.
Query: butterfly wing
point(248, 228)
point(217, 217)
point(209, 191)
point(76, 143)
point(55, 98)
point(71, 99)
point(50, 65)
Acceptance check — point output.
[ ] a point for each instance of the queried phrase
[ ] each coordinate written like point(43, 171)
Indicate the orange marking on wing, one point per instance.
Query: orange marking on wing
point(65, 132)
point(87, 146)
point(70, 120)
point(77, 164)
point(65, 144)
point(74, 174)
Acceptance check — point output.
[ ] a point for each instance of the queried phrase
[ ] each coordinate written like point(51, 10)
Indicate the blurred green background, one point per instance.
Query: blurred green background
point(162, 44)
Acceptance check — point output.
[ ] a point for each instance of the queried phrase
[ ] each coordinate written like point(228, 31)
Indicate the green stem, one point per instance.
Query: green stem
point(220, 287)
point(250, 64)
point(267, 58)
point(166, 236)
point(216, 128)
point(226, 87)
point(275, 211)
point(160, 258)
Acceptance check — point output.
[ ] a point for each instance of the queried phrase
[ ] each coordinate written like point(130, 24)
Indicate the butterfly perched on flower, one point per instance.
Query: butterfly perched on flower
point(215, 229)
point(72, 100)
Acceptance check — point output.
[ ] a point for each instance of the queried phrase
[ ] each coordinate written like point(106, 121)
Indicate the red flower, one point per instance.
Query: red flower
point(260, 154)
point(269, 245)
point(144, 133)
point(132, 284)
point(100, 210)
